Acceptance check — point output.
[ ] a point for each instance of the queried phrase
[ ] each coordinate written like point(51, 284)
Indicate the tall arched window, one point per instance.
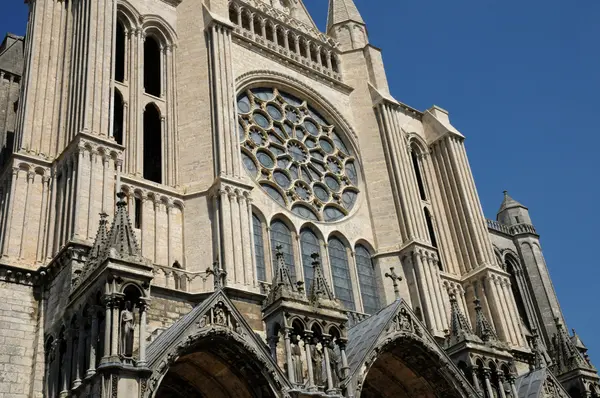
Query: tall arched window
point(120, 53)
point(152, 144)
point(281, 235)
point(367, 280)
point(342, 284)
point(418, 175)
point(152, 67)
point(259, 249)
point(118, 117)
point(511, 268)
point(309, 244)
point(432, 237)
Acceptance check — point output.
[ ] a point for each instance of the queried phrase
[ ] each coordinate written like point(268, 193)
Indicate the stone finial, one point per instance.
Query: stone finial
point(101, 238)
point(483, 328)
point(282, 284)
point(395, 279)
point(459, 326)
point(219, 274)
point(567, 356)
point(121, 240)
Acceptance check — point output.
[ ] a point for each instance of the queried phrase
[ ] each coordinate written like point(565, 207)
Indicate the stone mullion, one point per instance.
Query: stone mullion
point(396, 183)
point(467, 244)
point(450, 211)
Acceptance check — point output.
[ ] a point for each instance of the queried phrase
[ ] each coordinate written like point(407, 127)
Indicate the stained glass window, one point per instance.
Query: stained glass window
point(309, 244)
point(259, 249)
point(287, 142)
point(342, 284)
point(367, 280)
point(281, 235)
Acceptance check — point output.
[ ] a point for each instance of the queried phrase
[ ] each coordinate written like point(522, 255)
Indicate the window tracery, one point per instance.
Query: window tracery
point(340, 267)
point(296, 155)
point(367, 280)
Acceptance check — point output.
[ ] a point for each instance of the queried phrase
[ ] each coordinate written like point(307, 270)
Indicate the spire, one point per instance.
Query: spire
point(512, 212)
point(101, 238)
point(567, 356)
point(282, 284)
point(483, 329)
point(342, 11)
point(319, 288)
point(459, 326)
point(121, 239)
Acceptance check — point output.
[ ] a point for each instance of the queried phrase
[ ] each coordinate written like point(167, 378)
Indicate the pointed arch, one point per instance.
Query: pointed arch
point(340, 269)
point(152, 143)
point(259, 247)
point(281, 235)
point(367, 280)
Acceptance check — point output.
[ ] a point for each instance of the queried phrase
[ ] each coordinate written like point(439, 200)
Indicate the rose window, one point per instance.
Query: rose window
point(297, 157)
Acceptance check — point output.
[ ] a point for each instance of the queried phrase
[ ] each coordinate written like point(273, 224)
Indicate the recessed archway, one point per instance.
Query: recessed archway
point(405, 368)
point(216, 367)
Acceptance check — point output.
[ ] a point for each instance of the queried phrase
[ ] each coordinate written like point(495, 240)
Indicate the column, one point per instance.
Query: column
point(144, 306)
point(114, 346)
point(327, 366)
point(423, 290)
point(488, 385)
point(67, 362)
point(78, 357)
point(11, 205)
point(311, 376)
point(345, 367)
point(501, 384)
point(513, 387)
point(93, 342)
point(107, 328)
point(288, 356)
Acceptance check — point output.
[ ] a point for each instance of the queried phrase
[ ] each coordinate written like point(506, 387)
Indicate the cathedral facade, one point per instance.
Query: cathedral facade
point(213, 198)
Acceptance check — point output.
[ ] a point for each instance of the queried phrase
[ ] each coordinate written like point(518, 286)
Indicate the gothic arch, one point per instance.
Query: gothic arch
point(128, 15)
point(156, 26)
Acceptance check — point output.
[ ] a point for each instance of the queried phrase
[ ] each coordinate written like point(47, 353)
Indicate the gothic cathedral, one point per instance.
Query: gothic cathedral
point(214, 199)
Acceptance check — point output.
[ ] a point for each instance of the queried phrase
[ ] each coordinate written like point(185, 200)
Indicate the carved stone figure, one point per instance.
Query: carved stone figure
point(317, 362)
point(297, 359)
point(334, 364)
point(127, 331)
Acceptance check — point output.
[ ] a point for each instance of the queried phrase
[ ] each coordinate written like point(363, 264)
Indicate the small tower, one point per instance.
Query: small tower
point(314, 330)
point(345, 24)
point(512, 212)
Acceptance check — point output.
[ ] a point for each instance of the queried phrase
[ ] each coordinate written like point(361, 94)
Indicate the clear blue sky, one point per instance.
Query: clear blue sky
point(521, 80)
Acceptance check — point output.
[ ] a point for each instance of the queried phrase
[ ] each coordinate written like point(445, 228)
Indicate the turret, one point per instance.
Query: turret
point(512, 212)
point(346, 25)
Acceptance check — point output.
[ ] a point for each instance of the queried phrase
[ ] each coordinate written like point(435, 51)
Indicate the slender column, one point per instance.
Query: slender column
point(423, 290)
point(501, 385)
point(66, 370)
point(107, 328)
point(227, 249)
point(345, 367)
point(297, 44)
point(77, 360)
point(424, 260)
point(311, 376)
point(42, 225)
point(288, 356)
point(437, 290)
point(169, 207)
point(497, 310)
point(25, 229)
point(114, 346)
point(328, 367)
point(142, 336)
point(286, 40)
point(91, 190)
point(513, 387)
point(252, 24)
point(156, 246)
point(247, 236)
point(488, 385)
point(506, 311)
point(53, 382)
point(11, 206)
point(93, 342)
point(475, 380)
point(515, 318)
point(329, 63)
point(234, 198)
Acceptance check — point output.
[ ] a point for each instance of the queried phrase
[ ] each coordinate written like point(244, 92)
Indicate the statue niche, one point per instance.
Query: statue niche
point(127, 331)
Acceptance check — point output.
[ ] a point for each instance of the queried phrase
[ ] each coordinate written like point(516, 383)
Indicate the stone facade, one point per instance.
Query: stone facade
point(214, 198)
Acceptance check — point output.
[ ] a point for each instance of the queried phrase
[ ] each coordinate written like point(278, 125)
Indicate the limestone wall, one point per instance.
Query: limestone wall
point(21, 342)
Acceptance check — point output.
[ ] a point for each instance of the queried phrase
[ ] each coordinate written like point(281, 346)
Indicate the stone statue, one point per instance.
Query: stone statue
point(334, 364)
point(297, 359)
point(317, 362)
point(127, 330)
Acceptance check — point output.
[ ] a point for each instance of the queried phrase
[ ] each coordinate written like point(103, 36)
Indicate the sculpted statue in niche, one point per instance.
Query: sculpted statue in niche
point(297, 359)
point(317, 362)
point(334, 364)
point(127, 331)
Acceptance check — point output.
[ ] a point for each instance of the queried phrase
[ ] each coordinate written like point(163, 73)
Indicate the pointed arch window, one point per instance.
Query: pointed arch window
point(118, 117)
point(418, 174)
point(511, 267)
point(309, 244)
point(152, 67)
point(342, 284)
point(152, 144)
point(120, 52)
point(367, 280)
point(259, 249)
point(281, 235)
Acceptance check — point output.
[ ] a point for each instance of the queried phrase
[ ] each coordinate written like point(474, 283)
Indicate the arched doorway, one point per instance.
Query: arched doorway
point(217, 366)
point(405, 368)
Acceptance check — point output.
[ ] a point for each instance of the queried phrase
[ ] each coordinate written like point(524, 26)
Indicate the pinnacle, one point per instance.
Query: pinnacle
point(483, 329)
point(509, 203)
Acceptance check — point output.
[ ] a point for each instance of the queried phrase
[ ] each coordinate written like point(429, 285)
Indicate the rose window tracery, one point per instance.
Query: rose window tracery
point(297, 157)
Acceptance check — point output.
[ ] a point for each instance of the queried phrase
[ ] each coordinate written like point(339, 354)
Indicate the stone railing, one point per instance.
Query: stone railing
point(179, 279)
point(512, 229)
point(354, 318)
point(303, 49)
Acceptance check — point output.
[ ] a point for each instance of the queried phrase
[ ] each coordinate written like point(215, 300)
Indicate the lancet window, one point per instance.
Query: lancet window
point(281, 236)
point(259, 249)
point(309, 244)
point(367, 280)
point(340, 268)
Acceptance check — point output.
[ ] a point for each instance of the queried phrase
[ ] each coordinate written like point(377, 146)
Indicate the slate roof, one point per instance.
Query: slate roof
point(11, 54)
point(364, 335)
point(509, 203)
point(531, 385)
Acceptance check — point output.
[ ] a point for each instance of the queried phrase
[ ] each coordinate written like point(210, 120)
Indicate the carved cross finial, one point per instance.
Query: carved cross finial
point(218, 273)
point(395, 279)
